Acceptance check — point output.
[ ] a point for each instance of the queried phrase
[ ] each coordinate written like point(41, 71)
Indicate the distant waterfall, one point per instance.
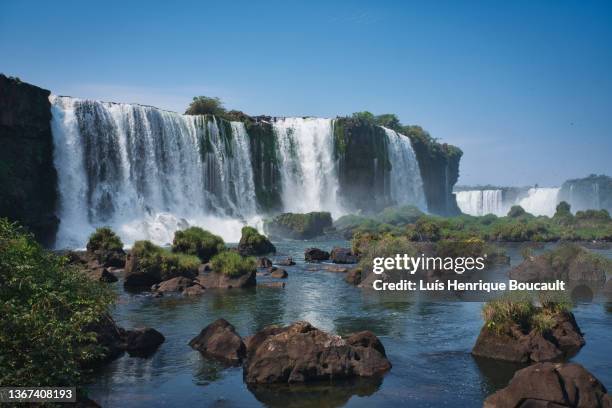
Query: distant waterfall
point(541, 201)
point(481, 202)
point(405, 179)
point(308, 171)
point(147, 172)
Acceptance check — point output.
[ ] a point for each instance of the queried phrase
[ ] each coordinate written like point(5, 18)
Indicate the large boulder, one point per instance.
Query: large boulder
point(302, 353)
point(278, 273)
point(551, 385)
point(142, 342)
point(177, 284)
point(343, 256)
point(106, 248)
point(315, 255)
point(516, 345)
point(298, 226)
point(220, 340)
point(254, 243)
point(218, 280)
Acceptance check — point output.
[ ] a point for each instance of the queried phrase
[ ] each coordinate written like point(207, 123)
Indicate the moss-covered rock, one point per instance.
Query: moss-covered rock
point(198, 242)
point(106, 247)
point(254, 243)
point(298, 226)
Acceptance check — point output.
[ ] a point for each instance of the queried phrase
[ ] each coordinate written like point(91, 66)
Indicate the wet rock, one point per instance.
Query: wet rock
point(298, 226)
point(286, 262)
point(220, 340)
point(551, 385)
point(278, 273)
point(108, 258)
point(205, 267)
point(195, 290)
point(178, 284)
point(353, 276)
point(302, 353)
point(343, 256)
point(563, 340)
point(216, 280)
point(253, 243)
point(335, 268)
point(143, 342)
point(264, 262)
point(102, 275)
point(315, 255)
point(271, 285)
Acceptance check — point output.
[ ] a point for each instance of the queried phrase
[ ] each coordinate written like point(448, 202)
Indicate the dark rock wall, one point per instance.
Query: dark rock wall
point(264, 161)
point(28, 180)
point(592, 192)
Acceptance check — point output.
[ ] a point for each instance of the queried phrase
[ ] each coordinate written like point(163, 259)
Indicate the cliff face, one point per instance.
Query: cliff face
point(28, 180)
point(592, 192)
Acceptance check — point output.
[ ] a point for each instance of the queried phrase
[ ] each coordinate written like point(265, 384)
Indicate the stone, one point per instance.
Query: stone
point(220, 340)
point(143, 342)
point(278, 273)
point(178, 284)
point(217, 280)
point(335, 268)
point(353, 276)
point(195, 290)
point(315, 255)
point(264, 262)
point(343, 256)
point(286, 262)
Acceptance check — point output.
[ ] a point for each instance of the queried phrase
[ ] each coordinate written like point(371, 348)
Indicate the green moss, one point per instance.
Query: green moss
point(104, 239)
point(198, 242)
point(254, 243)
point(232, 264)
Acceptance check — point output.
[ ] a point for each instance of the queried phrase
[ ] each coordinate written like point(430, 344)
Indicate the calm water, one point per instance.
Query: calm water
point(428, 344)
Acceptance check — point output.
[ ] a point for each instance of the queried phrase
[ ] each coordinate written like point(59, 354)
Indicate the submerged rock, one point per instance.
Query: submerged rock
point(286, 262)
point(217, 280)
point(315, 255)
point(278, 273)
point(551, 385)
point(143, 342)
point(220, 340)
point(335, 268)
point(515, 345)
point(343, 256)
point(302, 353)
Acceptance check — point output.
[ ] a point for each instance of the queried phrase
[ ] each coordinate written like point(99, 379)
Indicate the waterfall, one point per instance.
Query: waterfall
point(541, 201)
point(481, 202)
point(406, 183)
point(147, 172)
point(308, 171)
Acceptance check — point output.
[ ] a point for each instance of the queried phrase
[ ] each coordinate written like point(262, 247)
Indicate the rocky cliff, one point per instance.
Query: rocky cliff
point(28, 179)
point(592, 192)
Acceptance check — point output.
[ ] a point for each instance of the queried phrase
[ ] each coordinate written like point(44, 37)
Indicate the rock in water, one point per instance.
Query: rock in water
point(286, 262)
point(254, 243)
point(551, 385)
point(143, 342)
point(220, 340)
point(178, 284)
point(343, 256)
point(217, 280)
point(302, 353)
point(315, 255)
point(264, 262)
point(278, 273)
point(353, 276)
point(563, 340)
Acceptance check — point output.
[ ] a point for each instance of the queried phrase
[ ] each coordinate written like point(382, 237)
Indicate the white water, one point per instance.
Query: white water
point(541, 201)
point(406, 183)
point(147, 172)
point(308, 170)
point(481, 202)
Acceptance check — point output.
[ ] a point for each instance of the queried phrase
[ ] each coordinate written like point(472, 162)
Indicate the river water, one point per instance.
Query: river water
point(427, 342)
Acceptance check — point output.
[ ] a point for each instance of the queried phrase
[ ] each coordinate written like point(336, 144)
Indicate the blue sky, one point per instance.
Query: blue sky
point(523, 87)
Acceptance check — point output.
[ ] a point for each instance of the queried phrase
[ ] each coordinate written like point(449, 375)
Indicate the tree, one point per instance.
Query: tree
point(205, 105)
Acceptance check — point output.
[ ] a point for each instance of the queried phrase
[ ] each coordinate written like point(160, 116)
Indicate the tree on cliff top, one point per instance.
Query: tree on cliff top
point(205, 105)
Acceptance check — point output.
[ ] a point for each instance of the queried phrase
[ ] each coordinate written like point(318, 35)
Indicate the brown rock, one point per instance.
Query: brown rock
point(220, 340)
point(315, 255)
point(301, 353)
point(143, 342)
point(103, 275)
point(212, 280)
point(178, 284)
point(335, 268)
point(264, 262)
point(286, 262)
point(278, 273)
point(343, 256)
point(353, 276)
point(271, 284)
point(551, 385)
point(194, 290)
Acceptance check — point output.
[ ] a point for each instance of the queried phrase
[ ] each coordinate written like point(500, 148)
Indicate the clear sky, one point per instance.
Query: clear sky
point(523, 87)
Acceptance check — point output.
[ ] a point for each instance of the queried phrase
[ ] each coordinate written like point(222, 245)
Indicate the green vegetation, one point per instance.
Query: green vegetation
point(383, 246)
point(299, 226)
point(254, 243)
point(198, 242)
point(104, 239)
point(388, 220)
point(161, 263)
point(46, 307)
point(205, 105)
point(569, 253)
point(232, 264)
point(501, 314)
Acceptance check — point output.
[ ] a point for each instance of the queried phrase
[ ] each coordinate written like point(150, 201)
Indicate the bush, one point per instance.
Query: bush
point(232, 264)
point(516, 211)
point(104, 239)
point(161, 264)
point(254, 243)
point(198, 242)
point(204, 105)
point(46, 307)
point(299, 226)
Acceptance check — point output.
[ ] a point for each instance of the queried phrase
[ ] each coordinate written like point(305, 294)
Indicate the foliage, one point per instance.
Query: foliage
point(516, 211)
point(198, 242)
point(46, 307)
point(384, 246)
point(205, 105)
point(232, 264)
point(160, 262)
point(299, 226)
point(104, 239)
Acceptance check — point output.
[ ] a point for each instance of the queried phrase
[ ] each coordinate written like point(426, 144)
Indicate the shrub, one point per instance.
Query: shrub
point(254, 243)
point(198, 242)
point(427, 229)
point(232, 264)
point(205, 105)
point(104, 239)
point(516, 211)
point(299, 226)
point(46, 307)
point(162, 264)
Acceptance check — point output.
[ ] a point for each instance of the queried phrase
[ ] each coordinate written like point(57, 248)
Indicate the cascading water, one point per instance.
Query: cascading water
point(405, 179)
point(541, 201)
point(481, 202)
point(308, 170)
point(147, 172)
